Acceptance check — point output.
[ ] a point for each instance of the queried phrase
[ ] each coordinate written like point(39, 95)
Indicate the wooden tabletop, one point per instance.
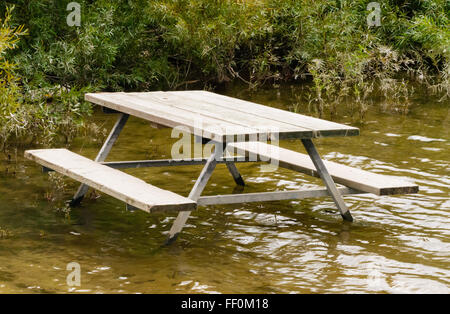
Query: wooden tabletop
point(219, 117)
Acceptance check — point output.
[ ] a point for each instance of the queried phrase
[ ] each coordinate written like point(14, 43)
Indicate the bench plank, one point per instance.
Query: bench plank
point(116, 183)
point(351, 177)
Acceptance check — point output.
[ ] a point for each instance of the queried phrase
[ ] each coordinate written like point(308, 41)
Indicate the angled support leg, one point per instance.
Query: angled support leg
point(102, 154)
point(233, 170)
point(195, 193)
point(326, 178)
point(235, 173)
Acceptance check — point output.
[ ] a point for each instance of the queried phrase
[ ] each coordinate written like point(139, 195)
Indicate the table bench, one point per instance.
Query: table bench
point(129, 189)
point(228, 124)
point(354, 178)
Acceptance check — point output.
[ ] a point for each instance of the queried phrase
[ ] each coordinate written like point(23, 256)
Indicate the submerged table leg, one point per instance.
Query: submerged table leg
point(195, 193)
point(233, 169)
point(326, 178)
point(235, 173)
point(102, 154)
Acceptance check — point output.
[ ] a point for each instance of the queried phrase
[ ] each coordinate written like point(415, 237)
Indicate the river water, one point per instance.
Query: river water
point(397, 244)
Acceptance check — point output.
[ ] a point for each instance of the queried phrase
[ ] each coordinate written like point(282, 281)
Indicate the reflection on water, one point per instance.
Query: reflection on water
point(396, 244)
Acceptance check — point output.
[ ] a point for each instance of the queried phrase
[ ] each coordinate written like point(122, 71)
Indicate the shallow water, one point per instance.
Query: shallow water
point(397, 244)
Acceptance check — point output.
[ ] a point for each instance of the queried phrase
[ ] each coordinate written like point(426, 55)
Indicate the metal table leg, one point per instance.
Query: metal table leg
point(195, 193)
point(102, 154)
point(326, 178)
point(233, 169)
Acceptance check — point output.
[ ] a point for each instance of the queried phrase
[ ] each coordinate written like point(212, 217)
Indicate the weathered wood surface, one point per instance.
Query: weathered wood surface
point(116, 183)
point(351, 177)
point(319, 127)
point(222, 118)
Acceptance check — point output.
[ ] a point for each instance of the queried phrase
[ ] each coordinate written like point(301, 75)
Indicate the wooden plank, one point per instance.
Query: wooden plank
point(160, 113)
point(269, 196)
point(231, 115)
point(185, 107)
point(118, 184)
point(319, 127)
point(156, 112)
point(351, 177)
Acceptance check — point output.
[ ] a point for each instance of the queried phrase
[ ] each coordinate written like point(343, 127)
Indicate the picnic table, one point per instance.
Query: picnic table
point(229, 124)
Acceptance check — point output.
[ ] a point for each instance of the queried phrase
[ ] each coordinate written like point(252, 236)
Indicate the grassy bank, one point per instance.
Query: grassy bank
point(176, 44)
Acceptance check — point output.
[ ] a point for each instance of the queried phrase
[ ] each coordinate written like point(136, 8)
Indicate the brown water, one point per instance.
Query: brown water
point(396, 244)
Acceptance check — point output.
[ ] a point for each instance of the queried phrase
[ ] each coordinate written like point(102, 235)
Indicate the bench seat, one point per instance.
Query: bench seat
point(357, 179)
point(113, 182)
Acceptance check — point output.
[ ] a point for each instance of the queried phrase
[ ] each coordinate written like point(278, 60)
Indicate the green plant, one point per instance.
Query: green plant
point(10, 92)
point(56, 194)
point(141, 45)
point(30, 114)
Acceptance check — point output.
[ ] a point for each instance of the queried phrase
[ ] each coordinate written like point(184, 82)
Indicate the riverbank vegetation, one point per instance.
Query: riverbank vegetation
point(142, 45)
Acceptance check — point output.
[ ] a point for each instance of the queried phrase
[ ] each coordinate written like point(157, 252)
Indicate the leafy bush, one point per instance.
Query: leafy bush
point(172, 44)
point(31, 114)
point(160, 44)
point(10, 97)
